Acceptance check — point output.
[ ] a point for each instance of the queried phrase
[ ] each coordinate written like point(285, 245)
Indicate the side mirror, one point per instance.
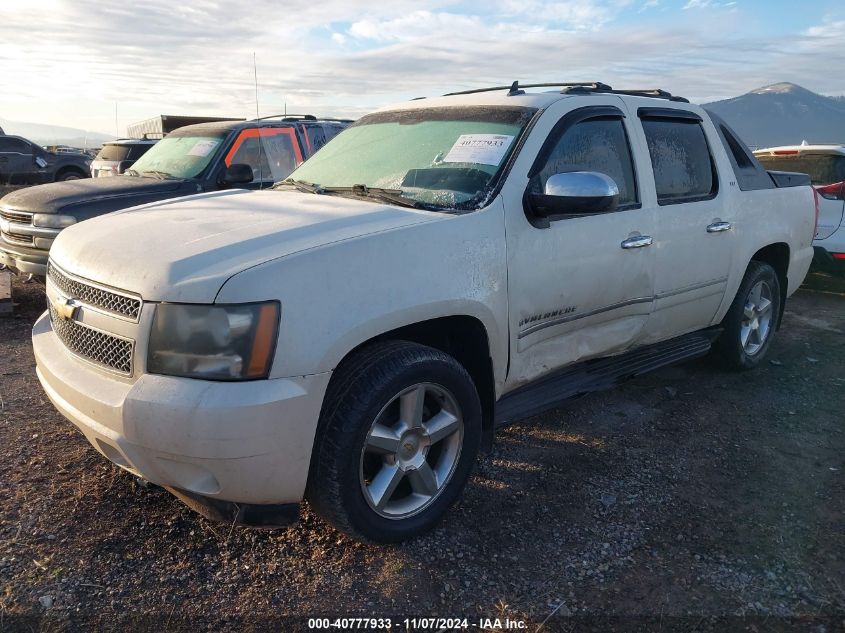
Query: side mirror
point(575, 193)
point(236, 174)
point(123, 165)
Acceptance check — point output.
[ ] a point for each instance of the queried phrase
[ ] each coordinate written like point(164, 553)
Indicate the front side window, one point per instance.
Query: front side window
point(178, 156)
point(597, 145)
point(440, 158)
point(680, 159)
point(273, 153)
point(15, 145)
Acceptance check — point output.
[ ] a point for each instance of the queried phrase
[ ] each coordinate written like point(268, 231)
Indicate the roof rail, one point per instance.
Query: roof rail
point(292, 117)
point(584, 87)
point(515, 87)
point(335, 119)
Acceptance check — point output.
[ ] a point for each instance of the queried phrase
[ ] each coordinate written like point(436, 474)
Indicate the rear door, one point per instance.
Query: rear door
point(695, 217)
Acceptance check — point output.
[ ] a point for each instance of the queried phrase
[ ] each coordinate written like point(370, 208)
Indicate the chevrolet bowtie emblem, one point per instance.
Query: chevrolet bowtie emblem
point(65, 308)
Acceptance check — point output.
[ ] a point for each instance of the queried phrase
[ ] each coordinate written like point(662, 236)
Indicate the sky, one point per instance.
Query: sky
point(100, 65)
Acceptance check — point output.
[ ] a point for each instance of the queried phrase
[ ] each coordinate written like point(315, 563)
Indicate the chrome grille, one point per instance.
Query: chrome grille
point(98, 298)
point(19, 217)
point(93, 345)
point(17, 238)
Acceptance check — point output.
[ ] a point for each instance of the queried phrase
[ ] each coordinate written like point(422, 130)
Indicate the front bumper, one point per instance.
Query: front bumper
point(24, 260)
point(241, 442)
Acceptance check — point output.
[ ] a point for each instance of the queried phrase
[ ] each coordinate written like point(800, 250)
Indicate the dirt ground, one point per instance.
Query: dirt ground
point(680, 497)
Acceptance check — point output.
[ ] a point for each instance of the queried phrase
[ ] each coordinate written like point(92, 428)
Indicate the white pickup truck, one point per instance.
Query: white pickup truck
point(354, 336)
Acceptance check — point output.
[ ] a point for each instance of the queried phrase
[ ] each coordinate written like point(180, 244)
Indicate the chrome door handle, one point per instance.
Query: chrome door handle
point(719, 227)
point(637, 242)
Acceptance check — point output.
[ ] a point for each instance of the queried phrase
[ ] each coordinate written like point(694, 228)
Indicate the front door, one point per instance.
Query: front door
point(578, 286)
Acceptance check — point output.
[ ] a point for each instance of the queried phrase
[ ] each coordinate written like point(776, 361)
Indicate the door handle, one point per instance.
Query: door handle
point(719, 227)
point(637, 242)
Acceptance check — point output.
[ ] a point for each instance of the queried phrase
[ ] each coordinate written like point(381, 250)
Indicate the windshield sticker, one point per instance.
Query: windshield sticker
point(481, 149)
point(204, 148)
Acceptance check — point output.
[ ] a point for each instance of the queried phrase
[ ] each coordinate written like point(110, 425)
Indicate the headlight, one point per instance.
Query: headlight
point(51, 221)
point(227, 342)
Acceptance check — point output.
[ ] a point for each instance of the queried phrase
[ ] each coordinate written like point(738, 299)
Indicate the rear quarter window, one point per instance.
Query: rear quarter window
point(681, 161)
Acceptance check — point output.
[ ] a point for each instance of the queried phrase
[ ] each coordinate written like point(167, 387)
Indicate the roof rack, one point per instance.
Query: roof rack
point(292, 117)
point(301, 117)
point(585, 87)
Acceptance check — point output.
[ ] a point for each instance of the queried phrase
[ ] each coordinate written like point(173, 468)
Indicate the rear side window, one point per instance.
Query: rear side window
point(680, 158)
point(598, 145)
point(136, 151)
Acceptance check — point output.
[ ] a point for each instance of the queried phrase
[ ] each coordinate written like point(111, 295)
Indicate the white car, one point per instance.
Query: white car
point(354, 335)
point(115, 157)
point(825, 165)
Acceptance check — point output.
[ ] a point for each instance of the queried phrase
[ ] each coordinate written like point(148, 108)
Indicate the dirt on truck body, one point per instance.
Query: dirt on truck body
point(690, 496)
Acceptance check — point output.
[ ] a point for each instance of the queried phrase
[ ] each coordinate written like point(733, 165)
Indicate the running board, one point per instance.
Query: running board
point(599, 374)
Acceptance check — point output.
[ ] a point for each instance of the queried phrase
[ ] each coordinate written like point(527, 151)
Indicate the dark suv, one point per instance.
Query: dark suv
point(192, 159)
point(23, 162)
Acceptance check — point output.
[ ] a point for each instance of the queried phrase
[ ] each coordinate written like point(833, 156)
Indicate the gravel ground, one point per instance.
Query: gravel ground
point(682, 496)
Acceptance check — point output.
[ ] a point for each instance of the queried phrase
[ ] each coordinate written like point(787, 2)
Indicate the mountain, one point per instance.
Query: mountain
point(783, 114)
point(54, 134)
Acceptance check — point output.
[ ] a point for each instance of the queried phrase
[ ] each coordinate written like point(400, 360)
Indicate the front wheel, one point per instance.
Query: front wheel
point(398, 436)
point(750, 323)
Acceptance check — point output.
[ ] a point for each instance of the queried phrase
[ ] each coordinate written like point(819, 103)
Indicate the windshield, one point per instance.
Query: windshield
point(445, 158)
point(823, 169)
point(178, 156)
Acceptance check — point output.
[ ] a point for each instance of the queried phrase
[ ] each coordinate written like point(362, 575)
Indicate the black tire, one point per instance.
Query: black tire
point(69, 175)
point(363, 386)
point(729, 348)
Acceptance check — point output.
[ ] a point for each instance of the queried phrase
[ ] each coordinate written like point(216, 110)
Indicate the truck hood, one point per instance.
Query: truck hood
point(185, 250)
point(117, 192)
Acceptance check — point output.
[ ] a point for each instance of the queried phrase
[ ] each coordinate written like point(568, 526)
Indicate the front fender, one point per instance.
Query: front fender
point(338, 296)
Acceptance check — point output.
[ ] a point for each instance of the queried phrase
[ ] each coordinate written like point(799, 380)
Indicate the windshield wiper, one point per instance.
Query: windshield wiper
point(300, 185)
point(392, 196)
point(161, 175)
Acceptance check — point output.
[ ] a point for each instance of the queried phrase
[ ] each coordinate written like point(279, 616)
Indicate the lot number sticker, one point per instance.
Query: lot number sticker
point(203, 148)
point(481, 149)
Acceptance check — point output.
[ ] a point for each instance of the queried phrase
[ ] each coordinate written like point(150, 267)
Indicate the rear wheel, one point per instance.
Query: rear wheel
point(750, 323)
point(397, 440)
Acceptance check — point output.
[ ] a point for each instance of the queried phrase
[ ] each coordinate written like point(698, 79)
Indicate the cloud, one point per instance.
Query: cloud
point(703, 4)
point(72, 63)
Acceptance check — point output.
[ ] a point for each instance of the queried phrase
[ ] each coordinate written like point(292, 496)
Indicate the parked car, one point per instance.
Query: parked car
point(190, 160)
point(354, 335)
point(116, 157)
point(23, 162)
point(826, 166)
